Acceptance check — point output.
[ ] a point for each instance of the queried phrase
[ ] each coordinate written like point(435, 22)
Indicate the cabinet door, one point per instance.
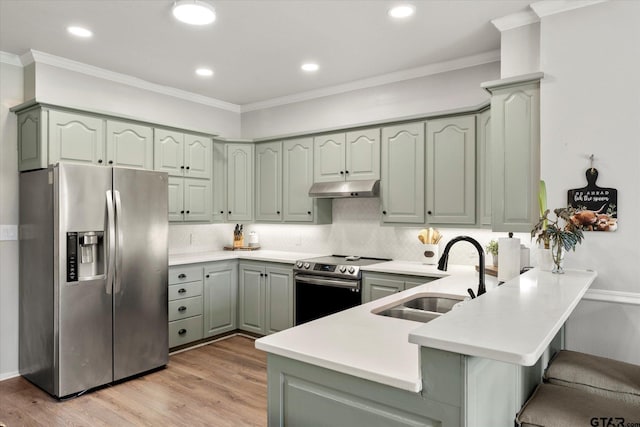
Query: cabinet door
point(451, 170)
point(176, 199)
point(484, 166)
point(363, 154)
point(240, 182)
point(375, 287)
point(220, 298)
point(268, 187)
point(251, 298)
point(297, 179)
point(402, 173)
point(515, 160)
point(279, 299)
point(197, 157)
point(74, 137)
point(32, 152)
point(329, 158)
point(129, 145)
point(168, 152)
point(219, 201)
point(197, 199)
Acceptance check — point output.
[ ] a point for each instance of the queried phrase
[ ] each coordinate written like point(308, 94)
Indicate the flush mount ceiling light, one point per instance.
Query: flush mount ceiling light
point(402, 11)
point(79, 31)
point(204, 72)
point(310, 67)
point(194, 12)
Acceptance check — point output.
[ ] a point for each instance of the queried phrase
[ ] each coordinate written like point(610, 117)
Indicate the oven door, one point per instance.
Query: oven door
point(318, 296)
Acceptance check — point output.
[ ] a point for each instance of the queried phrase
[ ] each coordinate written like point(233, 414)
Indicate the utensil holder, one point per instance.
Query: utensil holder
point(431, 253)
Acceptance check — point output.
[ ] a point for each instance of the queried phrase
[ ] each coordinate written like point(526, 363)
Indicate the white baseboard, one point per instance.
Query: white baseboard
point(631, 298)
point(9, 375)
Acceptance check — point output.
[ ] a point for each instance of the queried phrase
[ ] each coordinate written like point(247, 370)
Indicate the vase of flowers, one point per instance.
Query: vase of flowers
point(559, 234)
point(492, 248)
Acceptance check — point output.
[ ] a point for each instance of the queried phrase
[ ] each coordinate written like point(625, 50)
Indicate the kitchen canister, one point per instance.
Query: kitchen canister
point(431, 253)
point(253, 239)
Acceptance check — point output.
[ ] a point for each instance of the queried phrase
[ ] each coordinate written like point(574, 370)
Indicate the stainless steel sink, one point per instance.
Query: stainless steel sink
point(421, 308)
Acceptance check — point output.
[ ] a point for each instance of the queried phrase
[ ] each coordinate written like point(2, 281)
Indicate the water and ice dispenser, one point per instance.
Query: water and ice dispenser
point(85, 255)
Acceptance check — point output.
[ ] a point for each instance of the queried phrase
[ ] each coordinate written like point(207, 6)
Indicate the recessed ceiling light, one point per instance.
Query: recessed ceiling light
point(79, 31)
point(402, 11)
point(310, 66)
point(194, 12)
point(204, 72)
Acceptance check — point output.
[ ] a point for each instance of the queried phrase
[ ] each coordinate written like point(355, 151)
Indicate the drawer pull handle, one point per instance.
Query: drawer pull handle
point(182, 290)
point(182, 308)
point(182, 276)
point(182, 331)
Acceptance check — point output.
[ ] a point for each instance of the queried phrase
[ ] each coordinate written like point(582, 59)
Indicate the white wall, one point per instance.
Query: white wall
point(520, 50)
point(590, 104)
point(424, 95)
point(10, 94)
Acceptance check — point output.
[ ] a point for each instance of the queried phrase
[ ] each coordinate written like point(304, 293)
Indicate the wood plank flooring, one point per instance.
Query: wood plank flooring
point(220, 384)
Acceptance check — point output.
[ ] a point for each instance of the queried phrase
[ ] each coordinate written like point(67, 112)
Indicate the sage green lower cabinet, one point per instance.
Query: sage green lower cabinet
point(451, 170)
point(378, 285)
point(265, 293)
point(457, 391)
point(220, 297)
point(402, 173)
point(185, 304)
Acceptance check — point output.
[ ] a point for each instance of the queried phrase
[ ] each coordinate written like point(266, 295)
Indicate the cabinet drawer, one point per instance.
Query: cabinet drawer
point(185, 290)
point(185, 307)
point(185, 331)
point(184, 274)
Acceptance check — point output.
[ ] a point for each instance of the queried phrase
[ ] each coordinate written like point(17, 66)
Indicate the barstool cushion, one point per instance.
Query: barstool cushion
point(556, 406)
point(598, 375)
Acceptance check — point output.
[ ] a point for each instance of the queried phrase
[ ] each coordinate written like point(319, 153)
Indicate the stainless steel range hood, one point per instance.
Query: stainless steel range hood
point(339, 189)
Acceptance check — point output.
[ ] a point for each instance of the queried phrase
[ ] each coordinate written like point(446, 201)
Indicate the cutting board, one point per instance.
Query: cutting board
point(241, 248)
point(489, 269)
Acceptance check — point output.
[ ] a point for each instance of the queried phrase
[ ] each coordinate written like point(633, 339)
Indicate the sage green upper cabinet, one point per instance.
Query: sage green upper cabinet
point(515, 149)
point(329, 158)
point(484, 166)
point(402, 173)
point(219, 201)
point(75, 137)
point(189, 199)
point(268, 186)
point(129, 145)
point(239, 182)
point(450, 170)
point(181, 154)
point(220, 297)
point(297, 157)
point(351, 156)
point(32, 148)
point(176, 199)
point(363, 154)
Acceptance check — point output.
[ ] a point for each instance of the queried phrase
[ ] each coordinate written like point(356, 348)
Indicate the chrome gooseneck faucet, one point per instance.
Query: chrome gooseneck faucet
point(444, 259)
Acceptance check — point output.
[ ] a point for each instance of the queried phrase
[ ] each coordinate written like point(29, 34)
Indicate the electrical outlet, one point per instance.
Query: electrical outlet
point(8, 232)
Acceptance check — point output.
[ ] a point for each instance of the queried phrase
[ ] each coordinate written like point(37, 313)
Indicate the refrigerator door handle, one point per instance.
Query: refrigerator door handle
point(111, 253)
point(116, 194)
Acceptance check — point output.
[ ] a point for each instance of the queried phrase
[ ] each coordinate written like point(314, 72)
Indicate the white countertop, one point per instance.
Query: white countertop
point(413, 268)
point(257, 255)
point(513, 323)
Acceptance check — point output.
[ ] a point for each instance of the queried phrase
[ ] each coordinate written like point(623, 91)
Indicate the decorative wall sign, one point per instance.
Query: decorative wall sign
point(596, 207)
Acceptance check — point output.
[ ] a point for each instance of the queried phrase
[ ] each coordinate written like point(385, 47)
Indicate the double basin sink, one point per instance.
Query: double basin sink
point(422, 307)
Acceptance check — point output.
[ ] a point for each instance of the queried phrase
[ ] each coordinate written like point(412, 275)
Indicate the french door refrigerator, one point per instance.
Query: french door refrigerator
point(93, 275)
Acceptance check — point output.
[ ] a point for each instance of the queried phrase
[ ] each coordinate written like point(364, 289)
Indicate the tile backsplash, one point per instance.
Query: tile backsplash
point(356, 230)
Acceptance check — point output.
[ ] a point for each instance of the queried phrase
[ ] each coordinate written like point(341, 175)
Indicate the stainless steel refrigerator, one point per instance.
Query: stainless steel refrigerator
point(93, 275)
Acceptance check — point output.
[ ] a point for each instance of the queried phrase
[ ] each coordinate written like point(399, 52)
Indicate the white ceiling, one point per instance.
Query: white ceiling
point(255, 47)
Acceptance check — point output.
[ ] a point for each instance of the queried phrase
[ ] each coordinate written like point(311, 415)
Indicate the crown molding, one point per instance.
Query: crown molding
point(79, 67)
point(10, 59)
point(551, 7)
point(412, 73)
point(515, 20)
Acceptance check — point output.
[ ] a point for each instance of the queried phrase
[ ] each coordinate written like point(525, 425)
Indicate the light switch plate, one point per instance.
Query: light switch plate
point(8, 232)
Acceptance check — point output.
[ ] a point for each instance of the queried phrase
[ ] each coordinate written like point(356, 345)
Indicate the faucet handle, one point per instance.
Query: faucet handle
point(471, 293)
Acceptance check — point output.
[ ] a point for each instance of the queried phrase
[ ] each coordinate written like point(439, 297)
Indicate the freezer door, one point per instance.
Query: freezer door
point(140, 334)
point(83, 313)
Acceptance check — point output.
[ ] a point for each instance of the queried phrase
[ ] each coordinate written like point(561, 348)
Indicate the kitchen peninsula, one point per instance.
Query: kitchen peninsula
point(473, 366)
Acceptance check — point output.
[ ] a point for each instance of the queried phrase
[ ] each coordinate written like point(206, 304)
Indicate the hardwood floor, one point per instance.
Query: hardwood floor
point(220, 384)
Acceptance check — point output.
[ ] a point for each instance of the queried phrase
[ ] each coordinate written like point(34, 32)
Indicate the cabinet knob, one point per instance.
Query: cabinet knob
point(181, 212)
point(188, 211)
point(341, 173)
point(188, 168)
point(181, 167)
point(110, 162)
point(182, 291)
point(308, 212)
point(428, 212)
point(278, 212)
point(182, 331)
point(222, 212)
point(182, 276)
point(182, 308)
point(99, 160)
point(384, 212)
point(261, 275)
point(229, 212)
point(207, 276)
point(346, 172)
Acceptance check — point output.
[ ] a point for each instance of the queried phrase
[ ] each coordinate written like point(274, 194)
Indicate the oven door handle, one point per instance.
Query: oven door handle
point(313, 280)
